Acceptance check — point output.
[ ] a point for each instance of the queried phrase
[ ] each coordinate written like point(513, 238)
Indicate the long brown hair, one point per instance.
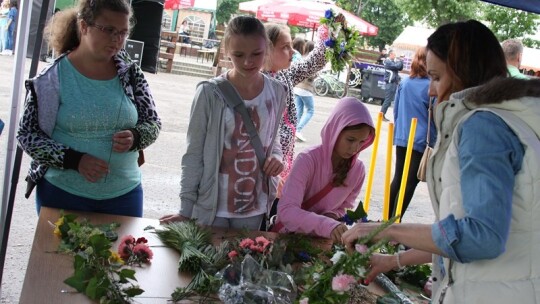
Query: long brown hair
point(62, 31)
point(418, 65)
point(344, 165)
point(471, 52)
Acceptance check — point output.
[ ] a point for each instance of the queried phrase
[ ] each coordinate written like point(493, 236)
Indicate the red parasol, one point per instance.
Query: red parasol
point(178, 4)
point(308, 13)
point(252, 6)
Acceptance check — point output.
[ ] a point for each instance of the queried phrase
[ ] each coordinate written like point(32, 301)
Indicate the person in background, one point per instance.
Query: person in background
point(230, 188)
point(298, 45)
point(331, 172)
point(513, 52)
point(303, 98)
point(482, 177)
point(185, 31)
point(412, 101)
point(382, 57)
point(4, 10)
point(10, 27)
point(393, 65)
point(88, 114)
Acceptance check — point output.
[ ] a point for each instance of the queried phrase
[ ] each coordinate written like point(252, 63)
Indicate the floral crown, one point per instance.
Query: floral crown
point(342, 43)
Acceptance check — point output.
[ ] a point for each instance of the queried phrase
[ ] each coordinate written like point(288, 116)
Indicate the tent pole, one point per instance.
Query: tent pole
point(13, 160)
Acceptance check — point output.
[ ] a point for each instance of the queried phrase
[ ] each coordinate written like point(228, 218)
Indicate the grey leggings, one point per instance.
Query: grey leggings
point(250, 223)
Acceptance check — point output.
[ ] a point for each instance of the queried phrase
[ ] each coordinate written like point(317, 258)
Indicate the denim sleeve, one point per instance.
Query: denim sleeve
point(490, 155)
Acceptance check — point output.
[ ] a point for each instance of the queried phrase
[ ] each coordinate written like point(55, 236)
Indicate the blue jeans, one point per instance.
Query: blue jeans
point(303, 118)
point(10, 39)
point(129, 204)
point(389, 95)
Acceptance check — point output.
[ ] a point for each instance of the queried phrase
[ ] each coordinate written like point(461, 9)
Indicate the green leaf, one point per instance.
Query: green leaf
point(133, 291)
point(128, 273)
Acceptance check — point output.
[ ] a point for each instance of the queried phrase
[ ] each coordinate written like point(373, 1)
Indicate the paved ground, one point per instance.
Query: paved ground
point(161, 173)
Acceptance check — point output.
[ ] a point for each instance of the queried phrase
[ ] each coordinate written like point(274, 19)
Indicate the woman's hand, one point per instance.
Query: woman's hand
point(357, 231)
point(381, 263)
point(122, 141)
point(337, 233)
point(92, 168)
point(170, 218)
point(273, 166)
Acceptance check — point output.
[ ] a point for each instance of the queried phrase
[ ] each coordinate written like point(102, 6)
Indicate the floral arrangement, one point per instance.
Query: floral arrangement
point(100, 273)
point(342, 43)
point(334, 282)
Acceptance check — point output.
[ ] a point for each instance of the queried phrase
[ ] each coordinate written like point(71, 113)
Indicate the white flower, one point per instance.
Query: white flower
point(337, 256)
point(361, 271)
point(316, 276)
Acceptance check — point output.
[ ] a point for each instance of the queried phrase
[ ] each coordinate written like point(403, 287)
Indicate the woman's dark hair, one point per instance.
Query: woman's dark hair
point(418, 65)
point(63, 32)
point(345, 164)
point(310, 45)
point(246, 26)
point(471, 52)
point(13, 3)
point(299, 44)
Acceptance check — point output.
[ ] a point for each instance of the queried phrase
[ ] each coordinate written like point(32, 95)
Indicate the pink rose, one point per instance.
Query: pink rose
point(262, 241)
point(342, 282)
point(304, 301)
point(361, 248)
point(246, 243)
point(233, 254)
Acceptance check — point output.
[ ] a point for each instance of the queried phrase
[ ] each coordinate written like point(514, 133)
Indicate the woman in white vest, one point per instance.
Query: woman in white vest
point(483, 177)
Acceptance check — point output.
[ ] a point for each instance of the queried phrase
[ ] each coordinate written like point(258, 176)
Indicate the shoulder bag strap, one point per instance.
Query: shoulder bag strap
point(235, 102)
point(307, 204)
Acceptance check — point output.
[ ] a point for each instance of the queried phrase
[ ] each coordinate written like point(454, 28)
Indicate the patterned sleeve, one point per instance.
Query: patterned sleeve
point(311, 64)
point(149, 123)
point(37, 144)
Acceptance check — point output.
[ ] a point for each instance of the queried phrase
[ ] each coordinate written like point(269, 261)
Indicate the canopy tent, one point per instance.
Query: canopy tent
point(525, 5)
point(12, 166)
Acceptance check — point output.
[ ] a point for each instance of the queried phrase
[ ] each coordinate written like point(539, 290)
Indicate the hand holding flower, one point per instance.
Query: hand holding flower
point(337, 233)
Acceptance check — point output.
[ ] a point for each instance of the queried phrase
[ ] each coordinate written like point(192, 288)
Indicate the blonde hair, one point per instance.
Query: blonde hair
point(62, 31)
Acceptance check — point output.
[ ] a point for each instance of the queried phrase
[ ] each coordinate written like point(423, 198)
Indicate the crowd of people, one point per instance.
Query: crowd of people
point(89, 115)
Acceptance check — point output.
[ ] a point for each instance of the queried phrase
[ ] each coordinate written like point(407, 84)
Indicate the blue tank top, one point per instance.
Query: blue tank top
point(90, 112)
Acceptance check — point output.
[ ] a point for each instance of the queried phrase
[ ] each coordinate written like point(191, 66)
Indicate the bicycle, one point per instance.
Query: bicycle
point(328, 83)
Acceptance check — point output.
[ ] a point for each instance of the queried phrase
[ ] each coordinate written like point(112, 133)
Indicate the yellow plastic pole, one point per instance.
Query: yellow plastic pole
point(405, 174)
point(372, 163)
point(389, 144)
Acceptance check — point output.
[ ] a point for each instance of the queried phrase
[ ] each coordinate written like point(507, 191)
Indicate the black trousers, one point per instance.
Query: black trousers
point(412, 180)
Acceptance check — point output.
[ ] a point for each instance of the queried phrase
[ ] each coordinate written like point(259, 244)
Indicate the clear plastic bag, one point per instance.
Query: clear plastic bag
point(250, 283)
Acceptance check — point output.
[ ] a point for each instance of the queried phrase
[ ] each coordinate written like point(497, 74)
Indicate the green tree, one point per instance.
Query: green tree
point(385, 14)
point(532, 43)
point(225, 9)
point(509, 23)
point(439, 12)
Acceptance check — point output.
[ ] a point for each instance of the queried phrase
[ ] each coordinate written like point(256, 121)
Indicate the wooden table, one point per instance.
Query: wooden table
point(205, 53)
point(47, 270)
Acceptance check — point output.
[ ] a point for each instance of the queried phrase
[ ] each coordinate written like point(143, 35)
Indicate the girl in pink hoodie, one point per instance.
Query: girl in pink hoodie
point(326, 179)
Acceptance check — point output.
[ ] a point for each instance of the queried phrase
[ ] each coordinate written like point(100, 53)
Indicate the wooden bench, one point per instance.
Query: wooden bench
point(168, 41)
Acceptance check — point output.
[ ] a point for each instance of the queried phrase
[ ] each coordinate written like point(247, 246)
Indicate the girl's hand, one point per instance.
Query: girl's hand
point(337, 233)
point(122, 141)
point(170, 218)
point(273, 166)
point(92, 168)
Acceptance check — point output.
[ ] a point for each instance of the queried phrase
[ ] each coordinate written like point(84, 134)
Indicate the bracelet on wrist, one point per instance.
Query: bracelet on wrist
point(399, 262)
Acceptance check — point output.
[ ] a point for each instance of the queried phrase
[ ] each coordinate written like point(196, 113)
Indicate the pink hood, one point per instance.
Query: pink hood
point(348, 111)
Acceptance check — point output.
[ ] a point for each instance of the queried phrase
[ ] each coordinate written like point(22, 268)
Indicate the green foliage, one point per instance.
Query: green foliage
point(98, 271)
point(225, 9)
point(389, 17)
point(439, 12)
point(532, 43)
point(509, 23)
point(416, 275)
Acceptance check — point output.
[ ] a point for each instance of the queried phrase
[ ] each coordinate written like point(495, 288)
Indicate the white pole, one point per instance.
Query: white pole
point(23, 28)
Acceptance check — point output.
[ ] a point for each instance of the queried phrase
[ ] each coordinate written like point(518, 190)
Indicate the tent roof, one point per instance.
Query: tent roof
point(525, 5)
